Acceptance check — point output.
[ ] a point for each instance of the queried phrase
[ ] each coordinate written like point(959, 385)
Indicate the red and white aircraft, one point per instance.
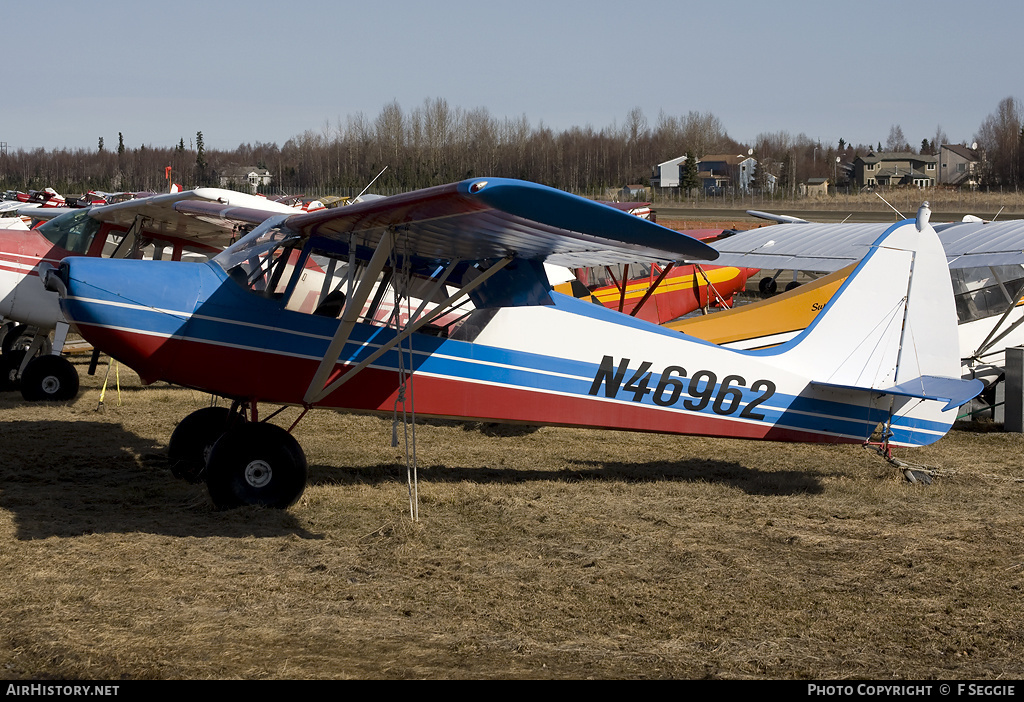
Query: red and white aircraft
point(134, 228)
point(883, 353)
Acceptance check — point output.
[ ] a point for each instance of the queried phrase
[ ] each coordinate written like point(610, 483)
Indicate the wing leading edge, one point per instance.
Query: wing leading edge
point(489, 218)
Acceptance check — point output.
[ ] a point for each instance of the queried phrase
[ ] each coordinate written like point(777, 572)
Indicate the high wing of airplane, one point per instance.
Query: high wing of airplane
point(881, 355)
point(145, 226)
point(986, 266)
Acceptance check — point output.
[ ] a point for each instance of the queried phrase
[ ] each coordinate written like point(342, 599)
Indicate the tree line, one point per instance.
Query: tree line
point(436, 143)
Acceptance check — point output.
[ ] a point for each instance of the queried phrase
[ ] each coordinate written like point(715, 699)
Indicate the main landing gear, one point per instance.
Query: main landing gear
point(28, 364)
point(242, 462)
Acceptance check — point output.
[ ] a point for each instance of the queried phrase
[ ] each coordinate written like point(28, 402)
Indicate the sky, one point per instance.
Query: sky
point(260, 71)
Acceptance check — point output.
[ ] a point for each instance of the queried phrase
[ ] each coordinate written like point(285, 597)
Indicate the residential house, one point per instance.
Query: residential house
point(719, 172)
point(668, 174)
point(895, 168)
point(814, 187)
point(632, 192)
point(251, 178)
point(960, 165)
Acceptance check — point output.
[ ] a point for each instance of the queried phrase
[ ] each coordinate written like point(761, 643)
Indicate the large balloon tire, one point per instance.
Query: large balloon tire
point(256, 464)
point(51, 378)
point(194, 437)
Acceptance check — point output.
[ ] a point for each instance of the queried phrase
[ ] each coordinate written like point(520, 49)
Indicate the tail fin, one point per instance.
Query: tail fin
point(897, 316)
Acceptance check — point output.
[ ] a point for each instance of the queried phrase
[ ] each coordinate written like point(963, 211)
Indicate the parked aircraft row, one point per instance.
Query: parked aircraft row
point(143, 226)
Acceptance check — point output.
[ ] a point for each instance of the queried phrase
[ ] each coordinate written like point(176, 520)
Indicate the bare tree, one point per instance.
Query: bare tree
point(999, 137)
point(896, 140)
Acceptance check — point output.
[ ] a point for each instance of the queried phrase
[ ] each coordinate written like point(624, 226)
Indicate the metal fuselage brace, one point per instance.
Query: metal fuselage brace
point(318, 387)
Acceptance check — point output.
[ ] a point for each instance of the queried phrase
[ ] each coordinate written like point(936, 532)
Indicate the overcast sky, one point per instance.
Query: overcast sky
point(269, 70)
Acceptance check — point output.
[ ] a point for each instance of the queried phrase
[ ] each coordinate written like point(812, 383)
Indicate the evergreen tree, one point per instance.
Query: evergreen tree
point(200, 160)
point(689, 181)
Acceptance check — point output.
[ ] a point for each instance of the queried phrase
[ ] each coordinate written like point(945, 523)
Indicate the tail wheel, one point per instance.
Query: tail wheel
point(256, 464)
point(194, 437)
point(49, 378)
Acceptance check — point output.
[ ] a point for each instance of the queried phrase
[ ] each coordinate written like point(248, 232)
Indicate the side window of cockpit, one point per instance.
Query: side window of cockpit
point(72, 232)
point(985, 291)
point(319, 287)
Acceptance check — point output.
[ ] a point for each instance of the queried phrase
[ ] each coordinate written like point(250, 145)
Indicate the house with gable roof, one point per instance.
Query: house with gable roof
point(719, 172)
point(251, 178)
point(895, 168)
point(960, 165)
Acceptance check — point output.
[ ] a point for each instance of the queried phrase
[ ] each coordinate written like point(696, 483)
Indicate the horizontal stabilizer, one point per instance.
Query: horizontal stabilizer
point(953, 391)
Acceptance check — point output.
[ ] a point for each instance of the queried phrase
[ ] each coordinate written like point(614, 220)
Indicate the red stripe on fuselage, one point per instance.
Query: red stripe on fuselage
point(276, 379)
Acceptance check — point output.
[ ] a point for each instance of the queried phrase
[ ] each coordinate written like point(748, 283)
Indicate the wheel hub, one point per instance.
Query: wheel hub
point(51, 385)
point(258, 473)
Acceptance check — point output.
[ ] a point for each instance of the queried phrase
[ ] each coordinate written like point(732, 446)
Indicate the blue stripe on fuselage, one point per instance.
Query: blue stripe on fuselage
point(227, 314)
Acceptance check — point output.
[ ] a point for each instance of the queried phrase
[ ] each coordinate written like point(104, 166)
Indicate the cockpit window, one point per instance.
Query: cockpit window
point(985, 292)
point(73, 232)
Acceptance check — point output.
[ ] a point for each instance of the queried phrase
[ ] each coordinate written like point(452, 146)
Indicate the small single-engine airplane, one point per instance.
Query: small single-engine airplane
point(660, 294)
point(144, 226)
point(656, 293)
point(986, 267)
point(882, 354)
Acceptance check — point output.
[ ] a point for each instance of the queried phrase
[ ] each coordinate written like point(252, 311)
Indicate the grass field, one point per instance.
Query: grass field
point(555, 553)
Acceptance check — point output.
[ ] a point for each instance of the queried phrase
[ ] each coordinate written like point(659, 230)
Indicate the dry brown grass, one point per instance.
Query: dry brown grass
point(557, 553)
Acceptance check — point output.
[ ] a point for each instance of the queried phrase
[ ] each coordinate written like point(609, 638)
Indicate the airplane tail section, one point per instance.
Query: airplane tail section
point(895, 327)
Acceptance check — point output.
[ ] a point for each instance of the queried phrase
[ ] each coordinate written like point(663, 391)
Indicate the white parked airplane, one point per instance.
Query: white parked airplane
point(986, 265)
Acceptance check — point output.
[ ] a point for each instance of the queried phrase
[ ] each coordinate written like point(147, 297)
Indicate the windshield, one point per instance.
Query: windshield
point(252, 246)
point(73, 231)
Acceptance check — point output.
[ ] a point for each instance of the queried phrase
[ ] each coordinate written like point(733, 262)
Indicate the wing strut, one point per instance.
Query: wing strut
point(317, 390)
point(651, 289)
point(348, 318)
